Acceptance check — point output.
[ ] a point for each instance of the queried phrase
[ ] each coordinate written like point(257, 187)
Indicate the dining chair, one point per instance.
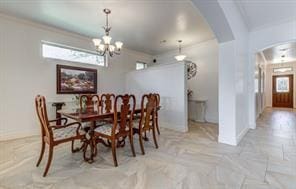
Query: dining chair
point(147, 120)
point(107, 106)
point(121, 127)
point(90, 101)
point(157, 109)
point(53, 135)
point(107, 103)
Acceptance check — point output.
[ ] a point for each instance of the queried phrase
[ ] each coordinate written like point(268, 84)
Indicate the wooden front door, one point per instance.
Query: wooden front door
point(282, 91)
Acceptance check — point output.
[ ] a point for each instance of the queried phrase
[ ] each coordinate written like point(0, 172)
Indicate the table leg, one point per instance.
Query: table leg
point(91, 143)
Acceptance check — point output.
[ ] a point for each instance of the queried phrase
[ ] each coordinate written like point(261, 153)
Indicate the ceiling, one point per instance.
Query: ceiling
point(260, 13)
point(281, 53)
point(140, 25)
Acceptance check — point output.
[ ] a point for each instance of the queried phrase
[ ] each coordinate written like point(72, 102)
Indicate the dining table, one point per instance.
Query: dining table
point(93, 115)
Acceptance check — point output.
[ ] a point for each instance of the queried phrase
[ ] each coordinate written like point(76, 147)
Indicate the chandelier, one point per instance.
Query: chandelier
point(106, 47)
point(180, 56)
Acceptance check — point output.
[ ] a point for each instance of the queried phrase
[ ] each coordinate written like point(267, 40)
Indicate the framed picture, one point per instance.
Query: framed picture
point(76, 80)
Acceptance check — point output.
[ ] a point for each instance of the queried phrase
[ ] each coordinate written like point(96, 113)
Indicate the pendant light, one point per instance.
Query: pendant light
point(180, 57)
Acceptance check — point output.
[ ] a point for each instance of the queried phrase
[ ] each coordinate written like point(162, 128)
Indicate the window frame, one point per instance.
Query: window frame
point(287, 82)
point(73, 49)
point(288, 69)
point(143, 63)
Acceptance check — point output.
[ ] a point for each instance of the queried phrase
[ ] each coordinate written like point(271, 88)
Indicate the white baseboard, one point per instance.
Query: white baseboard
point(241, 135)
point(212, 120)
point(12, 136)
point(227, 140)
point(252, 126)
point(180, 128)
point(234, 141)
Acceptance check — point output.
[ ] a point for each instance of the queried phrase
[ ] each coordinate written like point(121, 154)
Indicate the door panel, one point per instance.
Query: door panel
point(282, 91)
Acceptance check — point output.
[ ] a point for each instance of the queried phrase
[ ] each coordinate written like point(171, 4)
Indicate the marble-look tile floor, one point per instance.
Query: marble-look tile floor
point(265, 158)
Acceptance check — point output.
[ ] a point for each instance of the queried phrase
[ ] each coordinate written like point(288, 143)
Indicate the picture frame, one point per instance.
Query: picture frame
point(76, 80)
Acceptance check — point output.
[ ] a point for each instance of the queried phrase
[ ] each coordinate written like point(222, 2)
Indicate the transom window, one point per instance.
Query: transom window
point(282, 70)
point(282, 84)
point(141, 65)
point(62, 52)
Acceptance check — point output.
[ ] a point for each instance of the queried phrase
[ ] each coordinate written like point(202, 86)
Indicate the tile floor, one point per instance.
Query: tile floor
point(265, 158)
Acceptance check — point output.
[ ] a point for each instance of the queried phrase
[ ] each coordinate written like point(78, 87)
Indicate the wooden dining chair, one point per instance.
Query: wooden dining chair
point(121, 127)
point(90, 101)
point(157, 109)
point(53, 135)
point(147, 120)
point(107, 106)
point(107, 103)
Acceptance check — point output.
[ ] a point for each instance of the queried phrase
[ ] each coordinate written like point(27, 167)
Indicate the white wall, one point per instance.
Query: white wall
point(269, 74)
point(25, 73)
point(170, 82)
point(234, 115)
point(205, 84)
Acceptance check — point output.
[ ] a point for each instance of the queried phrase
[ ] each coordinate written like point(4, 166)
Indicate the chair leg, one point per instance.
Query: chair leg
point(74, 150)
point(154, 137)
point(49, 160)
point(141, 142)
point(72, 147)
point(41, 153)
point(156, 120)
point(132, 144)
point(114, 152)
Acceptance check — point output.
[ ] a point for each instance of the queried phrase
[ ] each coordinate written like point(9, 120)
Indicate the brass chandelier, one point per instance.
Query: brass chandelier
point(106, 47)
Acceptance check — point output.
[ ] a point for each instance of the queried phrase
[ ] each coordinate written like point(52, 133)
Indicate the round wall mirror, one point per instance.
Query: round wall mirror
point(191, 69)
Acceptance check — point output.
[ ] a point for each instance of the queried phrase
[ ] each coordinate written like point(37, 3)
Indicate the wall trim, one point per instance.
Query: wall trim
point(13, 136)
point(227, 140)
point(253, 125)
point(212, 120)
point(241, 135)
point(180, 128)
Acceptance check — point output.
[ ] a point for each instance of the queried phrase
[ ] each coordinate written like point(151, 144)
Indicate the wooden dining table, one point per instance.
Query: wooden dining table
point(92, 115)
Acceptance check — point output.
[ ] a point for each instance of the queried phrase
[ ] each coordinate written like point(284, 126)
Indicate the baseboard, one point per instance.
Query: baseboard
point(241, 135)
point(180, 128)
point(227, 140)
point(234, 141)
point(12, 136)
point(212, 120)
point(252, 126)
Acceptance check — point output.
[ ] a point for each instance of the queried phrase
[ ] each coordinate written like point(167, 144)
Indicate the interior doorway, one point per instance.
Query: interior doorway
point(282, 91)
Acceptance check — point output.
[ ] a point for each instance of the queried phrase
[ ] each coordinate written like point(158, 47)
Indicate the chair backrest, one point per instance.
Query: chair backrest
point(40, 105)
point(148, 110)
point(125, 104)
point(90, 100)
point(107, 103)
point(157, 98)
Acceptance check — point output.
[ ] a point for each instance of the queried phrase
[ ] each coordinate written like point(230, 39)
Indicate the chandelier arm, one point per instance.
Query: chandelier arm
point(102, 53)
point(99, 51)
point(111, 54)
